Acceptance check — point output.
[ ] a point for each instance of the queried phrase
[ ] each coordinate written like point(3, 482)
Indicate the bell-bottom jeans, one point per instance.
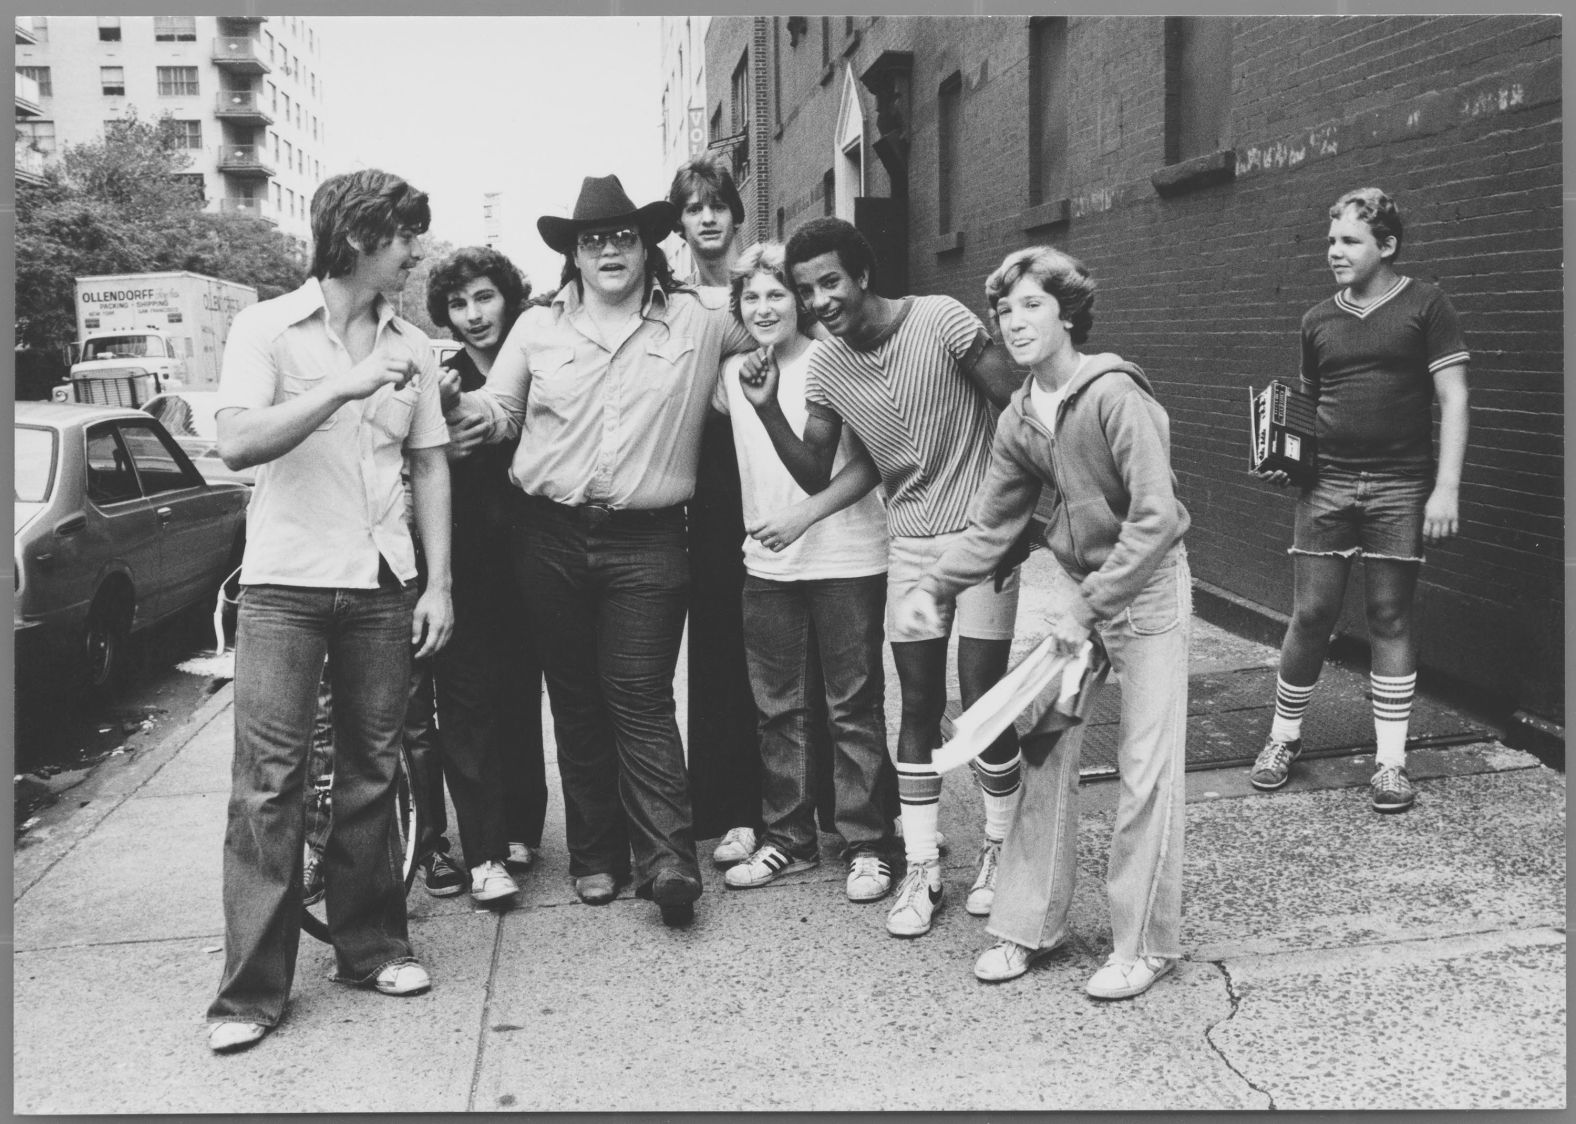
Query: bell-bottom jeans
point(1148, 646)
point(282, 636)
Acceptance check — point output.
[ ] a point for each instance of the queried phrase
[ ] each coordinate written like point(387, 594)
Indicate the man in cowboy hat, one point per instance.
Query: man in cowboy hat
point(608, 386)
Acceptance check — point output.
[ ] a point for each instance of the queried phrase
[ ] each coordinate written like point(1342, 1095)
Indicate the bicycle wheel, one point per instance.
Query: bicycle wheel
point(408, 817)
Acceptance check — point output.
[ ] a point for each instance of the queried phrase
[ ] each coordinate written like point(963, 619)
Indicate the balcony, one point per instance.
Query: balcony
point(241, 106)
point(239, 55)
point(254, 20)
point(257, 208)
point(27, 95)
point(245, 160)
point(29, 163)
point(24, 33)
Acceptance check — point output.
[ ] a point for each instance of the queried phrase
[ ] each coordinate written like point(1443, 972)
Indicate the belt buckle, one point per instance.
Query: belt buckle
point(598, 514)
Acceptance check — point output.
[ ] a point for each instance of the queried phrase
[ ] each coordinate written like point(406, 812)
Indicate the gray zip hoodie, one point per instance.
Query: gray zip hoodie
point(1107, 471)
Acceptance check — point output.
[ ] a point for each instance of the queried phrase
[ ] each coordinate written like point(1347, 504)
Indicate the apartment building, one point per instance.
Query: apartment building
point(248, 93)
point(1190, 161)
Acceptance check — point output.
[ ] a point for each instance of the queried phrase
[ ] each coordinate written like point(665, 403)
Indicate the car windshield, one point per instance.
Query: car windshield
point(123, 347)
point(35, 463)
point(186, 415)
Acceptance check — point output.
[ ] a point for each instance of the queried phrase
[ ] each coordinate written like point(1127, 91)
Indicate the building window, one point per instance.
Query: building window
point(38, 134)
point(41, 28)
point(39, 74)
point(109, 29)
point(286, 99)
point(716, 123)
point(279, 198)
point(188, 134)
point(273, 97)
point(1198, 85)
point(1047, 110)
point(175, 29)
point(739, 94)
point(826, 43)
point(112, 81)
point(289, 154)
point(177, 81)
point(782, 219)
point(829, 192)
point(949, 124)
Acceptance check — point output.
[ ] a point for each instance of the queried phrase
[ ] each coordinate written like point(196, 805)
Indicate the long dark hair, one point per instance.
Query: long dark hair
point(371, 207)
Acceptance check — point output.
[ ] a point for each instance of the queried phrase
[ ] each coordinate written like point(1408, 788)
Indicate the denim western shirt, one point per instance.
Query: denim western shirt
point(322, 513)
point(620, 428)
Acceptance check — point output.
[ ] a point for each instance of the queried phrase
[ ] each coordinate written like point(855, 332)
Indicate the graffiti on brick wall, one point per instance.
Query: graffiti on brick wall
point(1484, 102)
point(1093, 202)
point(1323, 141)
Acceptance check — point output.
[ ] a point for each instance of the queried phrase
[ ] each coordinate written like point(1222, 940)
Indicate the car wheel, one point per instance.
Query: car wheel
point(104, 643)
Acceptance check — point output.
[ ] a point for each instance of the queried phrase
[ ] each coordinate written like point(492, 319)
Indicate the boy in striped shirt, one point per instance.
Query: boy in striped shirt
point(917, 381)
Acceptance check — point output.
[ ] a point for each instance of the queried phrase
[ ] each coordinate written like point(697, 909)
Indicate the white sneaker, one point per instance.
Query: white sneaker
point(521, 856)
point(982, 895)
point(490, 881)
point(916, 901)
point(766, 865)
point(869, 877)
point(1007, 960)
point(736, 846)
point(1124, 979)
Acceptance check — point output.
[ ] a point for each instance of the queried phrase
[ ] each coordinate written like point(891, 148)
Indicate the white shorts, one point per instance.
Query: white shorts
point(981, 611)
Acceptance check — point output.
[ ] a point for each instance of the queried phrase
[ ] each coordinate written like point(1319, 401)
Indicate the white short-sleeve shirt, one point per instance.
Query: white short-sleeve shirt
point(322, 513)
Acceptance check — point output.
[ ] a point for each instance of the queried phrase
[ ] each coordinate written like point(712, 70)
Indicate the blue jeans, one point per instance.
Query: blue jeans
point(282, 636)
point(838, 624)
point(1148, 646)
point(605, 598)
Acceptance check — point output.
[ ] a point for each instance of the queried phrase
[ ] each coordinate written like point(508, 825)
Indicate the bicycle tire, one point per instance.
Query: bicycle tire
point(409, 817)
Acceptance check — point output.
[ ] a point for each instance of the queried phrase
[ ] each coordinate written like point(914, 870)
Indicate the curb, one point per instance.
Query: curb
point(78, 813)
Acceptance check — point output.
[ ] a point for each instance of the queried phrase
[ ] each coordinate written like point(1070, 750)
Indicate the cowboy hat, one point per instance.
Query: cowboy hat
point(603, 202)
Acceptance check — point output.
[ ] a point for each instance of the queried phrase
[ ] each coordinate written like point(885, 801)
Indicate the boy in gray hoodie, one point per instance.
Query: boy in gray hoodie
point(1087, 431)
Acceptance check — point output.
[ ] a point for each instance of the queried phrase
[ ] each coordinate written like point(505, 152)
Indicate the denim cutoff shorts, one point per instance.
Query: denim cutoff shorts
point(1375, 515)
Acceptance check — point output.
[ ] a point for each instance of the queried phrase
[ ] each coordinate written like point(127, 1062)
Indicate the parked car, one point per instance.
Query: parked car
point(116, 530)
point(188, 417)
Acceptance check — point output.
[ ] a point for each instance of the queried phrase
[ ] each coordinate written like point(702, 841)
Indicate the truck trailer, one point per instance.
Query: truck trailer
point(139, 334)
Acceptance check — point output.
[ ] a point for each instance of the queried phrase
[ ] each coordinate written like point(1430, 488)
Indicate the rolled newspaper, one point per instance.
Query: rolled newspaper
point(995, 710)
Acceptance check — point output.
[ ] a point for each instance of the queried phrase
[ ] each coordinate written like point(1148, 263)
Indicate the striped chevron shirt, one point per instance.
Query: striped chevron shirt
point(1371, 369)
point(926, 426)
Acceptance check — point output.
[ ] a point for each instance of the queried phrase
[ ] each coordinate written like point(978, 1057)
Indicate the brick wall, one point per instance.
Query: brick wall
point(1458, 117)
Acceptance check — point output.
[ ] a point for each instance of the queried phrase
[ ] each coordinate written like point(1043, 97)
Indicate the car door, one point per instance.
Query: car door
point(194, 522)
point(122, 530)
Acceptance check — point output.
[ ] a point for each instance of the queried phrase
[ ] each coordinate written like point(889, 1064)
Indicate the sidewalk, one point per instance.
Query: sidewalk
point(1336, 960)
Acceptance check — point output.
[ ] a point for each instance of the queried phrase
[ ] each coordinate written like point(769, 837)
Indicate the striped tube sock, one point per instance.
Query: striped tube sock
point(1290, 702)
point(919, 793)
point(1392, 712)
point(999, 786)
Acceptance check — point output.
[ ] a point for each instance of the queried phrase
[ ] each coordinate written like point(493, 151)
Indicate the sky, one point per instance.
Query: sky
point(525, 106)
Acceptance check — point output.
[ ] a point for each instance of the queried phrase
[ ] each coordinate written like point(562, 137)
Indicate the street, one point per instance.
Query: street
point(1334, 959)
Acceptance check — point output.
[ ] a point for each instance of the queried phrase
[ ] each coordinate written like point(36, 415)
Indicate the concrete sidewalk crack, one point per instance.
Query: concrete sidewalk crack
point(1209, 1033)
point(486, 1012)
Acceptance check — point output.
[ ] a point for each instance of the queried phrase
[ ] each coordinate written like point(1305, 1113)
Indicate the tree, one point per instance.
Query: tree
point(126, 204)
point(411, 302)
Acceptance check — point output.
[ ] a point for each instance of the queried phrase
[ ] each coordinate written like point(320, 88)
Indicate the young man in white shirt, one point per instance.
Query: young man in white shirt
point(329, 393)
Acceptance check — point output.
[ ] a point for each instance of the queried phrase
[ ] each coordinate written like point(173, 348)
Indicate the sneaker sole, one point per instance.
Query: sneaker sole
point(975, 910)
point(1263, 787)
point(1392, 809)
point(866, 899)
point(444, 891)
point(798, 866)
point(495, 896)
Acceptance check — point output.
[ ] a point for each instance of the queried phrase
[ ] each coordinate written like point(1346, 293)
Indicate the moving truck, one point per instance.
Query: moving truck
point(139, 334)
